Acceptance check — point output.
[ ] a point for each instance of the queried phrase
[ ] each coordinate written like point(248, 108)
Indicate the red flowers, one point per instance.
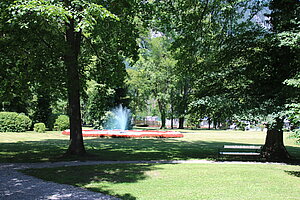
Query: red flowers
point(128, 133)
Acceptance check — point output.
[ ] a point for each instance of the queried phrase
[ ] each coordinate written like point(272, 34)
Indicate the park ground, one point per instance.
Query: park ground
point(160, 181)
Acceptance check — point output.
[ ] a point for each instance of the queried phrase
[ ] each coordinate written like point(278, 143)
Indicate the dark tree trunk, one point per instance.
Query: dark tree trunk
point(181, 123)
point(163, 121)
point(172, 117)
point(215, 123)
point(183, 103)
point(162, 114)
point(274, 148)
point(209, 123)
point(43, 107)
point(73, 40)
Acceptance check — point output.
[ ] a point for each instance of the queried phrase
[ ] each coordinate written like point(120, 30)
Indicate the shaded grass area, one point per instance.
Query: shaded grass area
point(50, 146)
point(181, 181)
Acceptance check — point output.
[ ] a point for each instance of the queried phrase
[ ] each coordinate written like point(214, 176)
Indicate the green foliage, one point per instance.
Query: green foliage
point(14, 122)
point(218, 108)
point(295, 135)
point(152, 78)
point(51, 121)
point(39, 127)
point(85, 12)
point(241, 125)
point(42, 108)
point(293, 113)
point(233, 55)
point(62, 123)
point(100, 99)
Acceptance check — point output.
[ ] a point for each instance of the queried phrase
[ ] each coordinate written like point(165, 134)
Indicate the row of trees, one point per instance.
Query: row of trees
point(222, 60)
point(211, 58)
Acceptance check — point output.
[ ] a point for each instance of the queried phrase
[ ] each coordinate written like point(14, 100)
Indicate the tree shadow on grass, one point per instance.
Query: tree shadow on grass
point(121, 149)
point(97, 178)
point(293, 173)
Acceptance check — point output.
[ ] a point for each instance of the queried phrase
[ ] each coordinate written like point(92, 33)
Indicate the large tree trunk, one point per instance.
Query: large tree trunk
point(73, 40)
point(274, 148)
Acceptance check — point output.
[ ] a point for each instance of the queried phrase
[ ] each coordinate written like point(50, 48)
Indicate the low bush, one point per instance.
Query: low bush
point(51, 121)
point(14, 122)
point(39, 127)
point(62, 123)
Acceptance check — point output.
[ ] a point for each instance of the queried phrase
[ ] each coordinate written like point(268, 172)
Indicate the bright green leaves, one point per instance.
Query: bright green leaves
point(291, 39)
point(90, 15)
point(24, 12)
point(153, 78)
point(85, 13)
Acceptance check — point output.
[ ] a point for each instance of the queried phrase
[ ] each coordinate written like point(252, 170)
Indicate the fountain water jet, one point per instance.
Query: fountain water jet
point(120, 118)
point(118, 125)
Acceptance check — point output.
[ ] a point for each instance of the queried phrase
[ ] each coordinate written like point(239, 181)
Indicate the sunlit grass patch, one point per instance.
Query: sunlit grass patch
point(203, 144)
point(182, 181)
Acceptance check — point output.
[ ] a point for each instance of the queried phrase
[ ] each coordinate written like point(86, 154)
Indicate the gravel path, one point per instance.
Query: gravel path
point(14, 185)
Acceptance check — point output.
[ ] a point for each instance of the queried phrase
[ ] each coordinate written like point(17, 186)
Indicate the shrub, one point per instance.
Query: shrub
point(39, 127)
point(241, 126)
point(62, 123)
point(51, 121)
point(14, 122)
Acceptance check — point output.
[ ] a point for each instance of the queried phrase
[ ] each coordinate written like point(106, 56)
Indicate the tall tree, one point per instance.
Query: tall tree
point(284, 20)
point(198, 30)
point(227, 49)
point(71, 25)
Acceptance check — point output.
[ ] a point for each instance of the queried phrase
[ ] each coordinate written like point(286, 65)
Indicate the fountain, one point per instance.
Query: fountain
point(117, 126)
point(120, 119)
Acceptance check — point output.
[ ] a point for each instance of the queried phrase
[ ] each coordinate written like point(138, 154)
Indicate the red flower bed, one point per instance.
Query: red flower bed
point(128, 133)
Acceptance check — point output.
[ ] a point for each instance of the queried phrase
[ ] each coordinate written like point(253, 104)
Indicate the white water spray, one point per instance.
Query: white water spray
point(120, 118)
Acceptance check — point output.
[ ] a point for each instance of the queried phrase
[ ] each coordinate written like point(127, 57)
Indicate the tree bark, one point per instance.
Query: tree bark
point(172, 117)
point(184, 103)
point(73, 40)
point(215, 123)
point(181, 123)
point(274, 148)
point(162, 114)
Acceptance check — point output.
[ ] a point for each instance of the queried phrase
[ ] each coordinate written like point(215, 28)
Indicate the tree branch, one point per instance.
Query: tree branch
point(92, 46)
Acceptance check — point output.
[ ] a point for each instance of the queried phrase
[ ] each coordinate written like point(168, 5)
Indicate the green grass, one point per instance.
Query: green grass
point(203, 144)
point(159, 181)
point(182, 181)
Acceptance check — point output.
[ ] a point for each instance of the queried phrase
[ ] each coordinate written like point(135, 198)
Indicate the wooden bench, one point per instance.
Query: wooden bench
point(240, 150)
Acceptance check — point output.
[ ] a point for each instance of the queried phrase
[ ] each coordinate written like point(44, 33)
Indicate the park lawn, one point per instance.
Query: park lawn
point(196, 144)
point(182, 181)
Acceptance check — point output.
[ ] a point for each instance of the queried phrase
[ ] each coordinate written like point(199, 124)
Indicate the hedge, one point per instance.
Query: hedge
point(39, 127)
point(14, 122)
point(62, 123)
